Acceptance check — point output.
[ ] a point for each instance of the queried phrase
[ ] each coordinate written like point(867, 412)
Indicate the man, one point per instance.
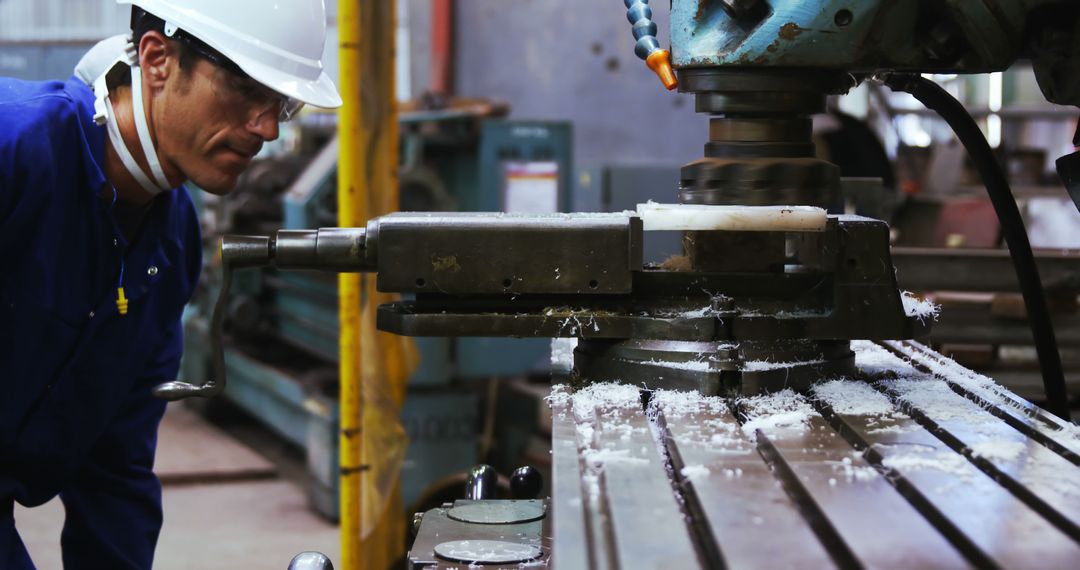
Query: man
point(100, 250)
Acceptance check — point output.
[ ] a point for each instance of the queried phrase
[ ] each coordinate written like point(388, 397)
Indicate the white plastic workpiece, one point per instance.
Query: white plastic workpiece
point(699, 217)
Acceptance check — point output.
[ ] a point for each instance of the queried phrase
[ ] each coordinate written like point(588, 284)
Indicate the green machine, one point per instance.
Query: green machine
point(283, 326)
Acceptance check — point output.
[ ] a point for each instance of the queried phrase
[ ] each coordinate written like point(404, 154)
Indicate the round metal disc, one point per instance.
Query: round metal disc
point(486, 551)
point(497, 512)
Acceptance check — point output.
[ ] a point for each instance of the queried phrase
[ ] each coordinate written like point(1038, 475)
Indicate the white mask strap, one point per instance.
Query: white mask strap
point(144, 130)
point(104, 115)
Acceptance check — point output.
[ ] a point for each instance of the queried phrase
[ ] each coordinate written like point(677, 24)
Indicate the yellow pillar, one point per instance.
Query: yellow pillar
point(375, 364)
point(350, 211)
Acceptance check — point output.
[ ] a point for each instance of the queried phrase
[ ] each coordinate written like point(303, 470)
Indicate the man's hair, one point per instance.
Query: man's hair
point(142, 22)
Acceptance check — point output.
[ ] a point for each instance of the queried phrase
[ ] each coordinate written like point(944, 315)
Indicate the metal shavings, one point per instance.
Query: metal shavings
point(853, 398)
point(945, 461)
point(921, 309)
point(766, 365)
point(781, 410)
point(693, 365)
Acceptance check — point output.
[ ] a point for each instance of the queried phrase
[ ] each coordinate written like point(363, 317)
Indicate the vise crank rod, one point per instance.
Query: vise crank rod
point(327, 249)
point(341, 250)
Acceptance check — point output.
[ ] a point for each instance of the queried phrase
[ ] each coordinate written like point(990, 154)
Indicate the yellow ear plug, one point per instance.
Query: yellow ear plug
point(121, 301)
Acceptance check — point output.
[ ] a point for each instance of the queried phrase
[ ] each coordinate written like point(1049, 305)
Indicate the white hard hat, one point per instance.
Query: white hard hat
point(100, 58)
point(279, 44)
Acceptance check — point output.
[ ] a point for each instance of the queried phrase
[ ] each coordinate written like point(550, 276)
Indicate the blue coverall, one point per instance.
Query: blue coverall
point(76, 414)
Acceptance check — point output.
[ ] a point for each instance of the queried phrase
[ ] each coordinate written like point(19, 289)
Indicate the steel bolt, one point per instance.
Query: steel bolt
point(417, 518)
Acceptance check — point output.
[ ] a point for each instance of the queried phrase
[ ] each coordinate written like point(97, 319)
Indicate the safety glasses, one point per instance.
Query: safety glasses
point(237, 87)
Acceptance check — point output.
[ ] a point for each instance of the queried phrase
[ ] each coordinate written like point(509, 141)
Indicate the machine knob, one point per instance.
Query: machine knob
point(481, 483)
point(311, 561)
point(526, 483)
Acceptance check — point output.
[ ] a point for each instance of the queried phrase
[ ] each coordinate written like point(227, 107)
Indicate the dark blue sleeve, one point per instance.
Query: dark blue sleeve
point(114, 506)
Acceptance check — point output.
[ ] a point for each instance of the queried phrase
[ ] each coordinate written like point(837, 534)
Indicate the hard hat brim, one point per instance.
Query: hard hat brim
point(318, 93)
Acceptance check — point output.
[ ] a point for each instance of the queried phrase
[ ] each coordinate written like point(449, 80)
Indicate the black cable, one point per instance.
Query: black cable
point(953, 112)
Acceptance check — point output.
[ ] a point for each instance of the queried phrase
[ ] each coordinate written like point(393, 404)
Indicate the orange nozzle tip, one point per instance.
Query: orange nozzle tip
point(660, 62)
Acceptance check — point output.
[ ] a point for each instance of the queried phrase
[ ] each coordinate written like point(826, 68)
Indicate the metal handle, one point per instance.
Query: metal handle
point(327, 249)
point(178, 389)
point(236, 252)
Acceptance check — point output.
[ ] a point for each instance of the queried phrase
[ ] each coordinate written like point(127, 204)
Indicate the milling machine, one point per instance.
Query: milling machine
point(725, 408)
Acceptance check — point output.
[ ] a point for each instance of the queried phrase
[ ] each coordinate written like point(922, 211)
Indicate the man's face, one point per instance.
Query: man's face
point(210, 122)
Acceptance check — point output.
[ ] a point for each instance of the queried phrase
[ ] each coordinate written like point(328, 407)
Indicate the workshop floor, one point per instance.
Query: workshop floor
point(225, 506)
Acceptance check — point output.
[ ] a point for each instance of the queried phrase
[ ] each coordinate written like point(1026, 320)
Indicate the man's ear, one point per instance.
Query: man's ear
point(157, 58)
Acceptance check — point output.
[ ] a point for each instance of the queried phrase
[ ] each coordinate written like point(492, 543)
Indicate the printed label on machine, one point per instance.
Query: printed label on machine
point(531, 187)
